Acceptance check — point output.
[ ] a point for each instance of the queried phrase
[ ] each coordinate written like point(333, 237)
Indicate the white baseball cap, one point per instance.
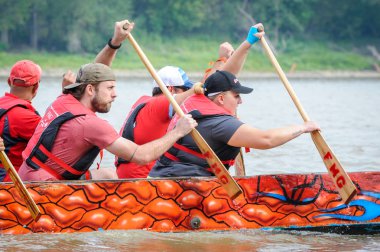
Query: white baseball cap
point(175, 77)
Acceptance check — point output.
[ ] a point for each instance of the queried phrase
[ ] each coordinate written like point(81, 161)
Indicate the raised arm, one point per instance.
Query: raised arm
point(179, 98)
point(236, 62)
point(225, 52)
point(108, 53)
point(247, 136)
point(2, 147)
point(68, 78)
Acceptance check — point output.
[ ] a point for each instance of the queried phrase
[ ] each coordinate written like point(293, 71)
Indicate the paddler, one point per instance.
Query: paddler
point(70, 135)
point(215, 112)
point(18, 117)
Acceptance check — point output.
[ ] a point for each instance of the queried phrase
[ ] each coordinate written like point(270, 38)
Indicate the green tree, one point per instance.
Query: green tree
point(281, 18)
point(77, 26)
point(12, 14)
point(346, 19)
point(84, 26)
point(37, 19)
point(169, 17)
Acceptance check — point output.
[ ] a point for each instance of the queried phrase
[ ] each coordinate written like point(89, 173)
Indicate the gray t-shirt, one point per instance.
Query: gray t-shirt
point(217, 131)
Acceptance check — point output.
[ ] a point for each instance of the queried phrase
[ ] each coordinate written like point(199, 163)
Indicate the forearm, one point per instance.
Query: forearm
point(236, 62)
point(179, 98)
point(148, 152)
point(217, 65)
point(225, 51)
point(280, 136)
point(108, 53)
point(153, 150)
point(247, 136)
point(106, 56)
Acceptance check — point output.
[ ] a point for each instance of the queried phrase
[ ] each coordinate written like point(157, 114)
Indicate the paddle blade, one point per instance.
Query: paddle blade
point(342, 181)
point(239, 164)
point(220, 171)
point(346, 188)
point(31, 205)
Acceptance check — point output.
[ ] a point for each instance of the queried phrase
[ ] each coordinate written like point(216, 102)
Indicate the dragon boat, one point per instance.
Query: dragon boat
point(285, 202)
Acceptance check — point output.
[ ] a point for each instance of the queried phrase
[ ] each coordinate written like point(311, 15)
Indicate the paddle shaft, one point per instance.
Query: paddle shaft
point(220, 171)
point(31, 205)
point(239, 164)
point(342, 181)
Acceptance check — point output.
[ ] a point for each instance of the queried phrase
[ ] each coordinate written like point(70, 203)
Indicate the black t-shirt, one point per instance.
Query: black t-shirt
point(217, 131)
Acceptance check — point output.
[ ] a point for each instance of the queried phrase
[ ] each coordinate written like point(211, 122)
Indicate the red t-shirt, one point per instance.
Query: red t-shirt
point(74, 139)
point(153, 120)
point(151, 124)
point(22, 123)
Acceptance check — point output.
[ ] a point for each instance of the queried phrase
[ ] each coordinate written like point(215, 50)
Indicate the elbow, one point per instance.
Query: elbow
point(141, 161)
point(267, 143)
point(142, 158)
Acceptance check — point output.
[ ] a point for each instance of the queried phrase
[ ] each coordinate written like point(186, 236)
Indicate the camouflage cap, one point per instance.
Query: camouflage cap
point(92, 73)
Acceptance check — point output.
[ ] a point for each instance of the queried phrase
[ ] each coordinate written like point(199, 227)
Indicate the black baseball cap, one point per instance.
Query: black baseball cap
point(222, 81)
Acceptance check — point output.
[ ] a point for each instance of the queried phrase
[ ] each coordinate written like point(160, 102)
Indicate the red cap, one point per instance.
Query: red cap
point(27, 71)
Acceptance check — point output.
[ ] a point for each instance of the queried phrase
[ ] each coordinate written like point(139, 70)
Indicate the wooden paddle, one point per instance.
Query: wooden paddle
point(30, 204)
point(239, 164)
point(342, 181)
point(220, 171)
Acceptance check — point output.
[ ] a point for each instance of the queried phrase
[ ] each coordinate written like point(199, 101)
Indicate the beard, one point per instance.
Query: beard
point(99, 105)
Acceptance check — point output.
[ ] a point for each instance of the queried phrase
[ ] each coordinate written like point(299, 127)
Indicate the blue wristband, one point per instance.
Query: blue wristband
point(251, 38)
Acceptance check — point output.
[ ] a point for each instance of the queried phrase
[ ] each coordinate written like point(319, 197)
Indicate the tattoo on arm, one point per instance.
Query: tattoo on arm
point(133, 154)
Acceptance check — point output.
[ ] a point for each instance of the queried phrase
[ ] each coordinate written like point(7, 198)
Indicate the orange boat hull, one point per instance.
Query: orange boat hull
point(293, 201)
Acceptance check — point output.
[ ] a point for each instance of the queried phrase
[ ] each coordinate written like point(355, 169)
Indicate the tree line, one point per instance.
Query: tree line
point(84, 26)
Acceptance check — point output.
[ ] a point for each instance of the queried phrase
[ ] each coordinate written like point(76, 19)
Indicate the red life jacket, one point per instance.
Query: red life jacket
point(199, 107)
point(13, 145)
point(38, 151)
point(127, 131)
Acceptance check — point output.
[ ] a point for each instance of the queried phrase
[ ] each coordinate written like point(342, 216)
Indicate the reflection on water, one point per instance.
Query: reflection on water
point(247, 240)
point(347, 111)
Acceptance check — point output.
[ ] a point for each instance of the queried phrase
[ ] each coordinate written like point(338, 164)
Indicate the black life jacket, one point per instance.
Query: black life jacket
point(184, 151)
point(38, 151)
point(13, 145)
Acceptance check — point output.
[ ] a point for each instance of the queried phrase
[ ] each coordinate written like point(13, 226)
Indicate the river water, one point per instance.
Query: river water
point(347, 111)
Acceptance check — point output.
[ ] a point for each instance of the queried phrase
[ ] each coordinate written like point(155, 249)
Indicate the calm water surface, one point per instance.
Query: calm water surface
point(242, 241)
point(348, 113)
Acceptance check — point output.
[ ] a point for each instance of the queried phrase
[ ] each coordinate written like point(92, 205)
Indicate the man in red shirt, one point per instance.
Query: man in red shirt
point(150, 116)
point(70, 135)
point(18, 118)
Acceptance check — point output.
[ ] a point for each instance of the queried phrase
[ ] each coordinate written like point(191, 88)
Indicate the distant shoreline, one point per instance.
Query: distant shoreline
point(57, 73)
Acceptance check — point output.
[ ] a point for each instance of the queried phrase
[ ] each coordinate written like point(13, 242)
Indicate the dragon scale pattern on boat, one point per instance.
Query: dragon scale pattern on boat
point(188, 204)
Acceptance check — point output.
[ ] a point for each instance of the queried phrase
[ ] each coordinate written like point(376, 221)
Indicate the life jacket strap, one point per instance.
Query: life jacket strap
point(59, 161)
point(88, 175)
point(230, 162)
point(101, 154)
point(190, 151)
point(46, 168)
point(171, 157)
